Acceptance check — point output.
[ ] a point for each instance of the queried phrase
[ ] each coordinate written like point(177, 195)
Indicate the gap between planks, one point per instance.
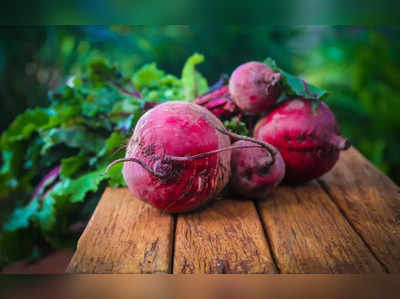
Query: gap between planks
point(309, 235)
point(172, 255)
point(225, 237)
point(370, 201)
point(325, 188)
point(267, 223)
point(273, 256)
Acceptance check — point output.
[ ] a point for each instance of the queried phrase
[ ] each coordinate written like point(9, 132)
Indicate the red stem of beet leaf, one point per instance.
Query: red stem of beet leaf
point(223, 80)
point(46, 180)
point(168, 159)
point(133, 93)
point(204, 155)
point(240, 137)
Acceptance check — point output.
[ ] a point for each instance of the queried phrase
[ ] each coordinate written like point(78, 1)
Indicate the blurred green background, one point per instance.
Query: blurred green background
point(360, 66)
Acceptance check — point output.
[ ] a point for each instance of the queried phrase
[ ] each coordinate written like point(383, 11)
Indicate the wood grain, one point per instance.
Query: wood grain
point(308, 234)
point(124, 235)
point(226, 237)
point(371, 202)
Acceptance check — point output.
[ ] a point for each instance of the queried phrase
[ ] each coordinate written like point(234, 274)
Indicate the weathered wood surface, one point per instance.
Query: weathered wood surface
point(309, 235)
point(371, 202)
point(346, 222)
point(226, 237)
point(124, 235)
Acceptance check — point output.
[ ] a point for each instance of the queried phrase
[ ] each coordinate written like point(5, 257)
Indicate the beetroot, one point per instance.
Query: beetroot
point(309, 141)
point(174, 159)
point(256, 171)
point(254, 87)
point(253, 175)
point(219, 102)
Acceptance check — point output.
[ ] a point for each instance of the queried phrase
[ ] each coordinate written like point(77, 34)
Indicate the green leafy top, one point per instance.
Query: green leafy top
point(237, 126)
point(86, 126)
point(295, 86)
point(193, 82)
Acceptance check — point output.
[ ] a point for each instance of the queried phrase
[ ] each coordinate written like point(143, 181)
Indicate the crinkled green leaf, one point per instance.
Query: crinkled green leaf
point(90, 109)
point(43, 209)
point(76, 137)
point(99, 122)
point(63, 94)
point(236, 126)
point(46, 215)
point(156, 86)
point(168, 88)
point(193, 82)
point(125, 112)
point(147, 76)
point(54, 157)
point(71, 165)
point(100, 73)
point(87, 120)
point(60, 115)
point(294, 86)
point(125, 106)
point(99, 101)
point(115, 176)
point(32, 153)
point(113, 149)
point(10, 172)
point(115, 141)
point(7, 166)
point(21, 216)
point(55, 205)
point(169, 81)
point(76, 189)
point(23, 127)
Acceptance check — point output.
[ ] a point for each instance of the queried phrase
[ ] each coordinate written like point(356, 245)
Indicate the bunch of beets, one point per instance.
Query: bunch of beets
point(180, 155)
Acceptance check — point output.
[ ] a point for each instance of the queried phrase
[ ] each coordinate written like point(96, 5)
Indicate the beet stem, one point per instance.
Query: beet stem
point(346, 145)
point(203, 155)
point(272, 80)
point(135, 93)
point(340, 143)
point(240, 137)
point(175, 158)
point(223, 79)
point(158, 175)
point(55, 172)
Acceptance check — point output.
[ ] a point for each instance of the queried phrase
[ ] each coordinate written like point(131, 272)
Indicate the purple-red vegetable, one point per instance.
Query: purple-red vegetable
point(254, 87)
point(309, 141)
point(254, 172)
point(176, 160)
point(219, 102)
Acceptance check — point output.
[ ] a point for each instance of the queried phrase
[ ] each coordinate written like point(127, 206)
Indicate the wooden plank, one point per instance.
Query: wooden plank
point(226, 237)
point(124, 235)
point(371, 202)
point(308, 234)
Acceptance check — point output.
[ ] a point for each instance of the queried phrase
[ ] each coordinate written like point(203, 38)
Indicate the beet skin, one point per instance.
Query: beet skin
point(309, 142)
point(253, 175)
point(219, 102)
point(254, 87)
point(177, 129)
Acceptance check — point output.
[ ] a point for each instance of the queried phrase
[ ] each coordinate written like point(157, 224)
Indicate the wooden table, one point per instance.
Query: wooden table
point(346, 222)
